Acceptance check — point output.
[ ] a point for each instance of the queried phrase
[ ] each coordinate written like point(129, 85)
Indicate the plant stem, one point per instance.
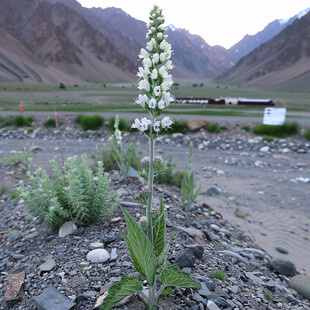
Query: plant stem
point(151, 184)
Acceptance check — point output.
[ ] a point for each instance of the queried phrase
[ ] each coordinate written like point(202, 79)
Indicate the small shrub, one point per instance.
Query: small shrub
point(280, 131)
point(62, 86)
point(246, 128)
point(72, 196)
point(14, 195)
point(307, 134)
point(21, 121)
point(177, 127)
point(219, 274)
point(122, 125)
point(223, 128)
point(169, 176)
point(7, 120)
point(212, 127)
point(268, 138)
point(89, 122)
point(50, 123)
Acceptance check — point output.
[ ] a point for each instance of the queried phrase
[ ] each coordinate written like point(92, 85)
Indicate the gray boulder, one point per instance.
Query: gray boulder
point(283, 266)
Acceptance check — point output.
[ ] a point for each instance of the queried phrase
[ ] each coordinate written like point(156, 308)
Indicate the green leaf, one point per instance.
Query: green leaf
point(159, 230)
point(140, 248)
point(127, 286)
point(173, 276)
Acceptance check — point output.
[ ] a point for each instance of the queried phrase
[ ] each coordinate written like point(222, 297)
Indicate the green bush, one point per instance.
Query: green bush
point(89, 122)
point(62, 86)
point(307, 134)
point(122, 125)
point(268, 138)
point(7, 120)
point(21, 121)
point(279, 131)
point(212, 127)
point(177, 127)
point(72, 196)
point(246, 128)
point(50, 123)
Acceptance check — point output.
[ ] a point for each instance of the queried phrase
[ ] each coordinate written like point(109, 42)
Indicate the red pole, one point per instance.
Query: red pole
point(20, 108)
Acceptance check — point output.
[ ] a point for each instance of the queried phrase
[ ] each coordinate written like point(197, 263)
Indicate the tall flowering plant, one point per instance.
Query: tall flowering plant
point(147, 246)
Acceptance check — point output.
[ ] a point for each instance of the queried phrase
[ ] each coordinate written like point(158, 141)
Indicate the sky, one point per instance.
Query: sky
point(218, 22)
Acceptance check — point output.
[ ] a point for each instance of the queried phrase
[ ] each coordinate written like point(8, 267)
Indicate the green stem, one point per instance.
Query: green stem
point(151, 184)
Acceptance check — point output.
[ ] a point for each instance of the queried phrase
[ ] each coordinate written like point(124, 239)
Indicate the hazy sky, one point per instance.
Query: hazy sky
point(222, 22)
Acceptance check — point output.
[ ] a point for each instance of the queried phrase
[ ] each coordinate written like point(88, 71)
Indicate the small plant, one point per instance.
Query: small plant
point(23, 157)
point(307, 134)
point(240, 215)
point(280, 131)
point(268, 138)
point(74, 195)
point(21, 121)
point(147, 247)
point(219, 274)
point(50, 123)
point(268, 295)
point(89, 122)
point(169, 176)
point(246, 128)
point(189, 194)
point(122, 124)
point(62, 86)
point(6, 121)
point(14, 195)
point(212, 127)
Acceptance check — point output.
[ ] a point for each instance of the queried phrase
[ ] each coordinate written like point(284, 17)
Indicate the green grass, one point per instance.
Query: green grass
point(50, 123)
point(219, 274)
point(212, 127)
point(287, 129)
point(268, 138)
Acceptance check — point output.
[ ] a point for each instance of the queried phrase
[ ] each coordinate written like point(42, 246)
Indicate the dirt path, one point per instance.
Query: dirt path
point(263, 190)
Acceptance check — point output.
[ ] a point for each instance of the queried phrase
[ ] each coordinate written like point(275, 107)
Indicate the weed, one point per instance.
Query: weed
point(240, 215)
point(212, 127)
point(280, 131)
point(14, 195)
point(268, 138)
point(219, 274)
point(268, 295)
point(246, 128)
point(89, 122)
point(50, 123)
point(178, 127)
point(21, 121)
point(122, 125)
point(307, 134)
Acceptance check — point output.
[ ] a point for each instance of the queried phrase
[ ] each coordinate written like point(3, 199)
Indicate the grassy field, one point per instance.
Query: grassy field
point(120, 97)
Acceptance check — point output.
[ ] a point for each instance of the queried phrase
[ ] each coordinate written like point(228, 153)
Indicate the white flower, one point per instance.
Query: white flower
point(165, 46)
point(147, 62)
point(161, 104)
point(153, 29)
point(155, 58)
point(159, 35)
point(163, 70)
point(136, 124)
point(152, 104)
point(168, 99)
point(156, 126)
point(154, 74)
point(166, 122)
point(165, 86)
point(143, 53)
point(157, 91)
point(144, 84)
point(145, 123)
point(141, 100)
point(169, 65)
point(162, 57)
point(143, 72)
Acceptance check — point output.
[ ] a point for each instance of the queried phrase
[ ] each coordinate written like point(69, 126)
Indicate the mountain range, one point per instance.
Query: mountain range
point(55, 41)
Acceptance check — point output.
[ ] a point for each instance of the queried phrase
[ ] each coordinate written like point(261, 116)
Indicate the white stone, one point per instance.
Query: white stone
point(212, 306)
point(264, 149)
point(66, 229)
point(98, 256)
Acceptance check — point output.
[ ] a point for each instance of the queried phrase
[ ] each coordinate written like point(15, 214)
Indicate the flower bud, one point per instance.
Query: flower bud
point(145, 161)
point(143, 221)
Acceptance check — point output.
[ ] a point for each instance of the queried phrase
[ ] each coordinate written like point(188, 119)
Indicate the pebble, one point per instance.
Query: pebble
point(67, 229)
point(98, 256)
point(281, 249)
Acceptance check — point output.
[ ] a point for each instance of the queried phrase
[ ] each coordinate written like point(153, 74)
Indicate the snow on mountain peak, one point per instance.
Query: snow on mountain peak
point(171, 27)
point(303, 13)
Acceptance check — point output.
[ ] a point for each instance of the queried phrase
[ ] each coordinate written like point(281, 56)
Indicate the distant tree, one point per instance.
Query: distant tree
point(62, 86)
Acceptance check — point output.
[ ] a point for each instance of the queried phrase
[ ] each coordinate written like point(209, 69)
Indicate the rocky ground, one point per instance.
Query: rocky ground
point(236, 171)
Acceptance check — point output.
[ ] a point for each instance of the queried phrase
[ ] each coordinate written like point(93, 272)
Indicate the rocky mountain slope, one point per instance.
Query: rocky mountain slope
point(282, 63)
point(250, 42)
point(93, 44)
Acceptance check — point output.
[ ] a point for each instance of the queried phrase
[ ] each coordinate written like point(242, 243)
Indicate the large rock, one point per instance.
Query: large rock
point(51, 299)
point(98, 256)
point(185, 258)
point(14, 288)
point(283, 266)
point(66, 229)
point(301, 284)
point(196, 124)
